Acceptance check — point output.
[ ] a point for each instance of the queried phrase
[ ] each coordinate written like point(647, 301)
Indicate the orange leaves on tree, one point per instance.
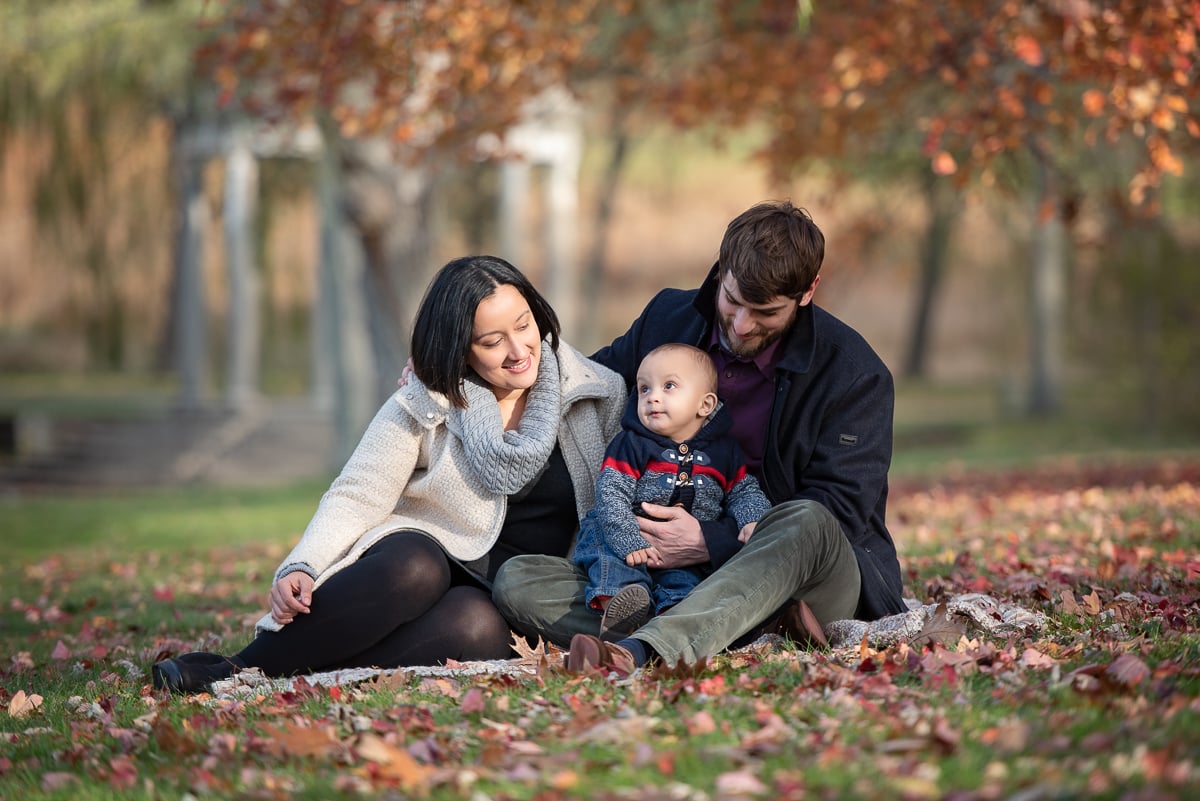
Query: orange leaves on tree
point(1028, 50)
point(1093, 102)
point(944, 164)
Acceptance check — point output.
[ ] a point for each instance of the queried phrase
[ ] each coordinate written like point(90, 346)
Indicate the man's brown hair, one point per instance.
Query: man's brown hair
point(772, 249)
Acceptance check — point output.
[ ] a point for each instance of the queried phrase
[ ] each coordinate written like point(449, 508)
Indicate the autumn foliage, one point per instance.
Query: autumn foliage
point(960, 83)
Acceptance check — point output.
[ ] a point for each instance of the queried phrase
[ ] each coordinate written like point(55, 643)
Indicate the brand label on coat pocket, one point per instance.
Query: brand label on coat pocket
point(847, 439)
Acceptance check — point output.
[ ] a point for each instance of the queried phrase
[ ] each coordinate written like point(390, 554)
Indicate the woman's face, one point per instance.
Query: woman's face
point(505, 342)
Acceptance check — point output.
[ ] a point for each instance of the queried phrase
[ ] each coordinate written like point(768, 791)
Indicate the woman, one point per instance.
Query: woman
point(490, 450)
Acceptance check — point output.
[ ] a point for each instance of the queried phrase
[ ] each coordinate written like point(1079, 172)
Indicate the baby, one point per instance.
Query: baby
point(675, 449)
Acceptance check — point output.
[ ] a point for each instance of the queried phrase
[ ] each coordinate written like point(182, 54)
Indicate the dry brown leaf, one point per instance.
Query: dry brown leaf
point(940, 628)
point(21, 705)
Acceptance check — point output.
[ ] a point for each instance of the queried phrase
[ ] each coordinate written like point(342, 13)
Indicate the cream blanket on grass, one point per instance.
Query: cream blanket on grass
point(973, 615)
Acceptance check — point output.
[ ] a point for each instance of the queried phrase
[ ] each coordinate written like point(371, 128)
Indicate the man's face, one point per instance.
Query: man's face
point(748, 329)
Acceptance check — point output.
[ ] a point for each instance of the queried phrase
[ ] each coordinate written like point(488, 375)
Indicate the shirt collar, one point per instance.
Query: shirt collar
point(766, 361)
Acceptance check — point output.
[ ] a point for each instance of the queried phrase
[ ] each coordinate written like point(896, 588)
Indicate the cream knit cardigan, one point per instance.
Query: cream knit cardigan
point(406, 473)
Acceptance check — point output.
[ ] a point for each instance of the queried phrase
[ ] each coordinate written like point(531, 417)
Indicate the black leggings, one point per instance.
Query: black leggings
point(401, 603)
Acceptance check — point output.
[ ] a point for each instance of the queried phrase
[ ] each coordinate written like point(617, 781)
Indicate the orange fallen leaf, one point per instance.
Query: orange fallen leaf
point(301, 741)
point(393, 764)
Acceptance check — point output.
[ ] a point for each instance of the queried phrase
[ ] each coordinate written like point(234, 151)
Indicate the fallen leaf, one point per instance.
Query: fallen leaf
point(1033, 658)
point(1069, 605)
point(1128, 670)
point(292, 740)
point(739, 783)
point(60, 651)
point(57, 780)
point(940, 628)
point(393, 764)
point(21, 704)
point(701, 723)
point(472, 702)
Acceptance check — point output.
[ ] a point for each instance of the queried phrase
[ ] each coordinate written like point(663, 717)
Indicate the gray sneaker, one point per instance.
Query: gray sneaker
point(626, 612)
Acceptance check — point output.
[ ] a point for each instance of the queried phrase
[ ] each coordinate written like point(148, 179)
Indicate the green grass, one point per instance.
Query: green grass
point(94, 588)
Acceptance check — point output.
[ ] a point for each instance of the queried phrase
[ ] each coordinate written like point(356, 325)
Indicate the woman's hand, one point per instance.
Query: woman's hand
point(744, 534)
point(643, 556)
point(291, 596)
point(674, 535)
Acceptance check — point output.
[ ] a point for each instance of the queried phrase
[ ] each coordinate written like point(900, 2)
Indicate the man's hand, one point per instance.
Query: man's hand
point(643, 556)
point(291, 596)
point(674, 534)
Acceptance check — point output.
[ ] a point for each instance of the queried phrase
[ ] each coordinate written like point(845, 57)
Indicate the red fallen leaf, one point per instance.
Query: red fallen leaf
point(123, 773)
point(164, 594)
point(60, 651)
point(472, 702)
point(1127, 670)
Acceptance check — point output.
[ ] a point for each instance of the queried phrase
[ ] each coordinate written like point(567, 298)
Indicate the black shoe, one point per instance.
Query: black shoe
point(194, 672)
point(626, 612)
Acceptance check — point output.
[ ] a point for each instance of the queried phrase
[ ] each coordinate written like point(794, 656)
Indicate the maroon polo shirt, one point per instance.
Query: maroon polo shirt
point(747, 388)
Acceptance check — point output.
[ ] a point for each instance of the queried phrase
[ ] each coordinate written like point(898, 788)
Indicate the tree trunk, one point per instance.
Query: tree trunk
point(942, 200)
point(245, 317)
point(593, 277)
point(1047, 295)
point(390, 205)
point(342, 340)
point(190, 334)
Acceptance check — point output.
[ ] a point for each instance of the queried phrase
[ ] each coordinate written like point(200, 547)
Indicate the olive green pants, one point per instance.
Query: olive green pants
point(797, 551)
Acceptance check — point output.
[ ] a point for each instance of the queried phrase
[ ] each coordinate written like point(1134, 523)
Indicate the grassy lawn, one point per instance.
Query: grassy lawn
point(1103, 702)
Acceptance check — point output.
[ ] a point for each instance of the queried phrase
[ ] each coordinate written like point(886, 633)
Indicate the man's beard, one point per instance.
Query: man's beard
point(745, 350)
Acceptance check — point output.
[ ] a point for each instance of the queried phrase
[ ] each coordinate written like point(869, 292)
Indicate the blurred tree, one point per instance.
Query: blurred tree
point(980, 89)
point(82, 77)
point(1033, 82)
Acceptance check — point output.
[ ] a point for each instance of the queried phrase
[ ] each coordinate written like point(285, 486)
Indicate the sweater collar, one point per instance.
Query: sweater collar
point(798, 344)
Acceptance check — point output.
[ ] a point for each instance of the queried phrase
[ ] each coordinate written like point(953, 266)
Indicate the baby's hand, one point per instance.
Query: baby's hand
point(744, 534)
point(643, 556)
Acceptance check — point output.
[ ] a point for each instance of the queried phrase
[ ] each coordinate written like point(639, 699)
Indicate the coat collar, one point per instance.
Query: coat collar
point(798, 344)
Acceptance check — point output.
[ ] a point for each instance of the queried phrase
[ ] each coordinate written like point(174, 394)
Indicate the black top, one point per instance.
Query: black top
point(541, 519)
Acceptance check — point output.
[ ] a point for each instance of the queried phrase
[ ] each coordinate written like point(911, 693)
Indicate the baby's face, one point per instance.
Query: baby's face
point(672, 392)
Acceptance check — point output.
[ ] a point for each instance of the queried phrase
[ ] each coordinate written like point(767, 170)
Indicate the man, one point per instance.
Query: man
point(812, 409)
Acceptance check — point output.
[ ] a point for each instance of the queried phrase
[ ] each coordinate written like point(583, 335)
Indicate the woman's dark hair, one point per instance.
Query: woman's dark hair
point(441, 336)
